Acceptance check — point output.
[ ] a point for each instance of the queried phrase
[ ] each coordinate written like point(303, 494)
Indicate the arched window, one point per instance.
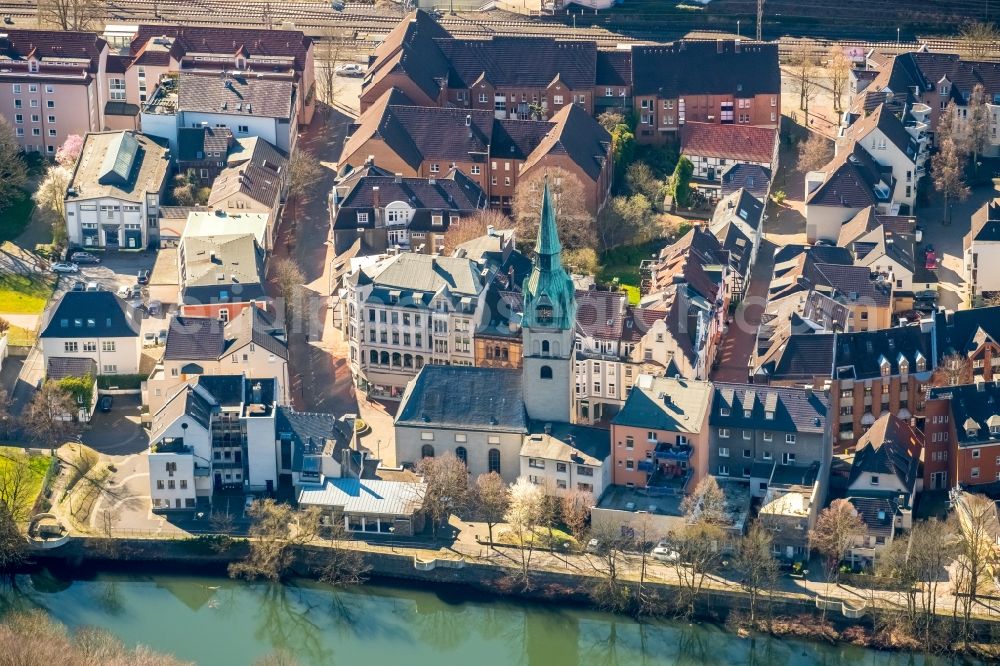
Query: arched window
point(546, 372)
point(420, 361)
point(494, 460)
point(397, 359)
point(384, 358)
point(373, 357)
point(496, 351)
point(407, 361)
point(462, 455)
point(545, 346)
point(426, 451)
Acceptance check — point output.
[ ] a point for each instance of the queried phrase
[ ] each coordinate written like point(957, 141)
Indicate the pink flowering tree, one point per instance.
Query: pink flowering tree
point(69, 152)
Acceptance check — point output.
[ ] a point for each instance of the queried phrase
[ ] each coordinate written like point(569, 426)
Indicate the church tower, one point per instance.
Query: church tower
point(548, 327)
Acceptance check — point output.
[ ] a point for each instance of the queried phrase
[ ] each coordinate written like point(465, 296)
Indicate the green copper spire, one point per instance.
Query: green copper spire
point(548, 235)
point(549, 295)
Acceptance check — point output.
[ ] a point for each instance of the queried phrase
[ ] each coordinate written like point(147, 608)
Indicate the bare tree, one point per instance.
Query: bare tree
point(699, 549)
point(839, 68)
point(803, 68)
point(950, 127)
point(576, 505)
point(289, 280)
point(13, 173)
point(6, 420)
point(48, 417)
point(277, 658)
point(569, 199)
point(447, 492)
point(475, 226)
point(610, 119)
point(609, 590)
point(13, 547)
point(82, 15)
point(328, 55)
point(837, 527)
point(706, 504)
point(492, 498)
point(304, 173)
point(755, 561)
point(977, 517)
point(815, 152)
point(949, 174)
point(954, 369)
point(978, 39)
point(524, 516)
point(276, 532)
point(51, 200)
point(340, 564)
point(977, 135)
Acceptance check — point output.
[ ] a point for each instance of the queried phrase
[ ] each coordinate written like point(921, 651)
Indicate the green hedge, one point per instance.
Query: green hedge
point(120, 381)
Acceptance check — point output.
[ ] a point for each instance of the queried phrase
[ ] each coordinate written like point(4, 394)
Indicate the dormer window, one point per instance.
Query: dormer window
point(437, 220)
point(921, 362)
point(724, 411)
point(33, 65)
point(746, 413)
point(971, 432)
point(995, 429)
point(769, 415)
point(884, 366)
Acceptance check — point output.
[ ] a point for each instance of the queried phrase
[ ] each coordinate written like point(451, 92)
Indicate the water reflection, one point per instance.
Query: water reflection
point(220, 622)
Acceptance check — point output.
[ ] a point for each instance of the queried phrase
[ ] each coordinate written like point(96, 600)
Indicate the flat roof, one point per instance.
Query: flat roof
point(366, 496)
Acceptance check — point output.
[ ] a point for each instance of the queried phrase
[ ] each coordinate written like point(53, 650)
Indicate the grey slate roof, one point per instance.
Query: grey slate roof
point(887, 448)
point(576, 444)
point(372, 497)
point(520, 62)
point(693, 67)
point(793, 409)
point(91, 314)
point(464, 398)
point(237, 258)
point(236, 95)
point(417, 277)
point(60, 367)
point(257, 326)
point(972, 406)
point(963, 331)
point(310, 432)
point(666, 403)
point(751, 177)
point(858, 353)
point(194, 338)
point(804, 357)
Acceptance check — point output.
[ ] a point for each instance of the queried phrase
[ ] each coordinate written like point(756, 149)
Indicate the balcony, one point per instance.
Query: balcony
point(672, 452)
point(176, 446)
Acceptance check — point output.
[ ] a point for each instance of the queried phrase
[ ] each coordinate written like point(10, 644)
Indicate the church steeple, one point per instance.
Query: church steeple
point(549, 296)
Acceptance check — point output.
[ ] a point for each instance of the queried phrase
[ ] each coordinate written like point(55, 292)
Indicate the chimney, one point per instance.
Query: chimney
point(370, 160)
point(257, 393)
point(490, 229)
point(809, 391)
point(736, 46)
point(375, 200)
point(398, 178)
point(719, 46)
point(432, 181)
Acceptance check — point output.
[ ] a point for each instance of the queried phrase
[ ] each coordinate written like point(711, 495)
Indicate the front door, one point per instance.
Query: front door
point(939, 480)
point(270, 486)
point(218, 481)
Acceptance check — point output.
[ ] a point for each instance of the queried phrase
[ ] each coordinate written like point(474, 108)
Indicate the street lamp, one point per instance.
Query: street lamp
point(897, 37)
point(737, 28)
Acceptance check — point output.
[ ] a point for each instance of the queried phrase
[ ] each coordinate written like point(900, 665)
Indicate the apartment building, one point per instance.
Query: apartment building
point(220, 275)
point(53, 84)
point(721, 82)
point(982, 252)
point(386, 210)
point(510, 77)
point(962, 435)
point(973, 336)
point(427, 142)
point(113, 197)
point(661, 436)
point(409, 310)
point(563, 458)
point(887, 245)
point(715, 148)
point(150, 53)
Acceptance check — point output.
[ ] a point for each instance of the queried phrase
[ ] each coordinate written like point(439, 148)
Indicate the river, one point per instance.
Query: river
point(215, 621)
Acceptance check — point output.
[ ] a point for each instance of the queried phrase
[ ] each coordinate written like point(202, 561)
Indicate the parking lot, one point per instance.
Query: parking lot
point(118, 432)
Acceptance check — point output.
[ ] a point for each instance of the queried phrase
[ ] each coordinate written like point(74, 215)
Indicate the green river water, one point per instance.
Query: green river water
point(215, 621)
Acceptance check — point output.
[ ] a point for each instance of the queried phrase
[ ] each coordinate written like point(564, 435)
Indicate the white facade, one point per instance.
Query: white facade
point(560, 476)
point(108, 221)
point(982, 267)
point(113, 356)
point(278, 132)
point(172, 467)
point(262, 454)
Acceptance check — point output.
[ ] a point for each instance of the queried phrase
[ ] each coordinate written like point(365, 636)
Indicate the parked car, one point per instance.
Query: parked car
point(124, 292)
point(350, 69)
point(161, 337)
point(78, 286)
point(105, 403)
point(930, 258)
point(664, 553)
point(84, 258)
point(93, 286)
point(155, 308)
point(149, 339)
point(64, 267)
point(142, 277)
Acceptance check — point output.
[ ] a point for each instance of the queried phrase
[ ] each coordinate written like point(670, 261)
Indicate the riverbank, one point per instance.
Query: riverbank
point(795, 615)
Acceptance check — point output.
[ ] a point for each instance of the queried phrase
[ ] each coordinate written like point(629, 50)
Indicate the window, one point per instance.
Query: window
point(435, 168)
point(17, 88)
point(768, 436)
point(545, 372)
point(69, 347)
point(536, 463)
point(976, 453)
point(747, 453)
point(746, 434)
point(483, 98)
point(493, 460)
point(630, 464)
point(475, 170)
point(243, 129)
point(557, 99)
point(462, 455)
point(787, 458)
point(108, 346)
point(766, 455)
point(362, 218)
point(427, 436)
point(874, 479)
point(975, 472)
point(629, 442)
point(789, 439)
point(723, 452)
point(723, 470)
point(110, 369)
point(90, 346)
point(426, 451)
point(724, 433)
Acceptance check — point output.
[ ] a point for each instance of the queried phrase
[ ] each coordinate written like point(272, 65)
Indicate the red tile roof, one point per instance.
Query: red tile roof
point(737, 142)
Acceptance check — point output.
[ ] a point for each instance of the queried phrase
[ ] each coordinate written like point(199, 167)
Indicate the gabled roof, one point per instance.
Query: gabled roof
point(745, 143)
point(259, 175)
point(692, 67)
point(410, 49)
point(570, 443)
point(237, 94)
point(199, 143)
point(421, 275)
point(576, 134)
point(614, 68)
point(985, 224)
point(267, 45)
point(890, 446)
point(886, 122)
point(801, 357)
point(464, 398)
point(312, 434)
point(519, 62)
point(850, 181)
point(600, 314)
point(56, 45)
point(741, 207)
point(963, 331)
point(91, 314)
point(858, 354)
point(194, 338)
point(232, 263)
point(790, 409)
point(753, 178)
point(666, 403)
point(974, 408)
point(61, 367)
point(255, 326)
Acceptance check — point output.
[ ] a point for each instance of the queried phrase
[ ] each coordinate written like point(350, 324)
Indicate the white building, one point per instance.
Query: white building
point(249, 105)
point(982, 252)
point(95, 325)
point(227, 431)
point(565, 457)
point(410, 310)
point(113, 199)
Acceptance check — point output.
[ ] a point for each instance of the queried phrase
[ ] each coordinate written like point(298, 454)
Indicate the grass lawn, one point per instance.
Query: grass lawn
point(25, 294)
point(541, 538)
point(38, 464)
point(15, 218)
point(622, 263)
point(20, 337)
